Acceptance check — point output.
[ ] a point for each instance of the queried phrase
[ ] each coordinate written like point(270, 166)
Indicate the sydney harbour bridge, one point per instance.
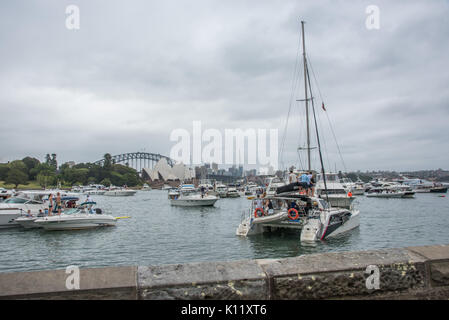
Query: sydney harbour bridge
point(137, 160)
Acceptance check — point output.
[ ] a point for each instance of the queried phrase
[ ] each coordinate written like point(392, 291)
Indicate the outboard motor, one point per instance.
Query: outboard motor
point(97, 210)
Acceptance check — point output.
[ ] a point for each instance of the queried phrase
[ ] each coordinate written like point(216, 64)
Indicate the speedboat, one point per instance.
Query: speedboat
point(119, 192)
point(190, 197)
point(82, 217)
point(27, 220)
point(146, 187)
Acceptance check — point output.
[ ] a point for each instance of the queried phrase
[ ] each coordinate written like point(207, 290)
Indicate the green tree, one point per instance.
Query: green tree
point(117, 179)
point(106, 182)
point(107, 161)
point(53, 161)
point(4, 169)
point(16, 177)
point(31, 163)
point(46, 179)
point(19, 165)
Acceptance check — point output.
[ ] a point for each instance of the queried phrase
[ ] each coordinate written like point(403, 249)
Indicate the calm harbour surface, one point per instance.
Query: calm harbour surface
point(158, 233)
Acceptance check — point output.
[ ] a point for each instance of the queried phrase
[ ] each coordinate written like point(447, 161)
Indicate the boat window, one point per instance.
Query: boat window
point(16, 200)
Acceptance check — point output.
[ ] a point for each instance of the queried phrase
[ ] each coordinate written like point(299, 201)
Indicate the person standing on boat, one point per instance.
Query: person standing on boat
point(269, 206)
point(202, 191)
point(292, 177)
point(50, 204)
point(58, 203)
point(303, 182)
point(258, 202)
point(312, 184)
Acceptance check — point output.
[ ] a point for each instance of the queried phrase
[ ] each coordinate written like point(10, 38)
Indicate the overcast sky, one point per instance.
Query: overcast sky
point(136, 70)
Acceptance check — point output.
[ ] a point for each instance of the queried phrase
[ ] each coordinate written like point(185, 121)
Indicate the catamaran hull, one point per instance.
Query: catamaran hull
point(352, 223)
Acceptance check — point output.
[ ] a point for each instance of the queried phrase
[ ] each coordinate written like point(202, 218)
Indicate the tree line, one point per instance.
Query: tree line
point(48, 173)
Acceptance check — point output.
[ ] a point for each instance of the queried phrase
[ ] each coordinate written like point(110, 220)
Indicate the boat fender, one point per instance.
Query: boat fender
point(349, 194)
point(256, 211)
point(295, 216)
point(97, 210)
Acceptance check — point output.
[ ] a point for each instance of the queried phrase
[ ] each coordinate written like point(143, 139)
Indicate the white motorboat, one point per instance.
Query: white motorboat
point(389, 192)
point(336, 193)
point(14, 207)
point(221, 190)
point(146, 187)
point(75, 221)
point(27, 220)
point(5, 193)
point(119, 192)
point(82, 217)
point(189, 197)
point(232, 193)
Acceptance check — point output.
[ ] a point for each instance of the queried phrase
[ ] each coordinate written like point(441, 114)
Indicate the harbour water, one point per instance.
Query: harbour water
point(158, 233)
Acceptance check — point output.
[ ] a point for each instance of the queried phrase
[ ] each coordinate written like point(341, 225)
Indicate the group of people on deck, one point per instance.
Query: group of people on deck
point(306, 182)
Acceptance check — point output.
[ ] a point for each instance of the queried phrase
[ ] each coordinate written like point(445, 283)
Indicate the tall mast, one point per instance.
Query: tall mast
point(305, 91)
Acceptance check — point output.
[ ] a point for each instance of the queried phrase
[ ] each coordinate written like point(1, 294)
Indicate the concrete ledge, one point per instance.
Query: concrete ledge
point(407, 273)
point(95, 283)
point(206, 280)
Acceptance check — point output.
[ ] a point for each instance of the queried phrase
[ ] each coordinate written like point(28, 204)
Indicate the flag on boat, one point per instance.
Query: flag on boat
point(322, 105)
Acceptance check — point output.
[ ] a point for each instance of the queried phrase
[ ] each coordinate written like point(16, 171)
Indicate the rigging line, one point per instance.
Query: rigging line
point(326, 153)
point(293, 89)
point(317, 138)
point(326, 150)
point(327, 116)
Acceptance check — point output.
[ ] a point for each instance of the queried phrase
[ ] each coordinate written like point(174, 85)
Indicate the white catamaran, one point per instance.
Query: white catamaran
point(291, 206)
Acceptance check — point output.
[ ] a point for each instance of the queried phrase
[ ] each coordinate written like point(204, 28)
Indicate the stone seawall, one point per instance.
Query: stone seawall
point(406, 273)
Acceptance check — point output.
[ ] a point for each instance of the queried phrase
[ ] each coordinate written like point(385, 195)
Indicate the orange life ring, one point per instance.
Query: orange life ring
point(258, 210)
point(295, 217)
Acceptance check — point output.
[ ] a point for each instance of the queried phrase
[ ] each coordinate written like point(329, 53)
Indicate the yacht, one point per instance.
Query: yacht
point(320, 217)
point(16, 206)
point(5, 193)
point(221, 190)
point(232, 193)
point(119, 192)
point(189, 196)
point(336, 194)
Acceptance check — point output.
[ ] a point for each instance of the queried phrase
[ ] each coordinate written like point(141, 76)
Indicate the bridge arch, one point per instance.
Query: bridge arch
point(138, 160)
